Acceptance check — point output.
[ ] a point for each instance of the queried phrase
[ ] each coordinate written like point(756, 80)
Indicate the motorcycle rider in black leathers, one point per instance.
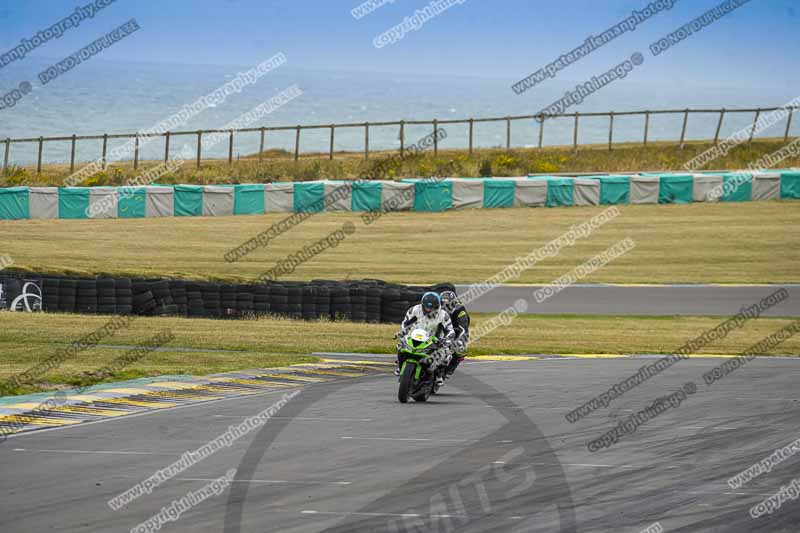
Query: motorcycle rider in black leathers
point(460, 319)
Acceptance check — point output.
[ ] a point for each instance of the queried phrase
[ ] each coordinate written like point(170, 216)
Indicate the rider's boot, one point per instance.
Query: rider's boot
point(454, 362)
point(439, 377)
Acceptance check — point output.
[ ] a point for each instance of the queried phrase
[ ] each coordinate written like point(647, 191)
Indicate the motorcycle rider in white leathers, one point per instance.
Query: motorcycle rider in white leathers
point(430, 316)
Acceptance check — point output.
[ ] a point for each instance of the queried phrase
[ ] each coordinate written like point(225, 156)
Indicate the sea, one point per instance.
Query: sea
point(100, 97)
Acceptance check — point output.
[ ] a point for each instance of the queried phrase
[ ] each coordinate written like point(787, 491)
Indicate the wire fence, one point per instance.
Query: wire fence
point(541, 122)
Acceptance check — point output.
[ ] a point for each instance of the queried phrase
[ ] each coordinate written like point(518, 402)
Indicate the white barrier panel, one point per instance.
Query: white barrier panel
point(279, 197)
point(43, 202)
point(103, 202)
point(766, 186)
point(586, 192)
point(338, 196)
point(706, 187)
point(467, 193)
point(159, 202)
point(217, 201)
point(397, 196)
point(530, 193)
point(644, 189)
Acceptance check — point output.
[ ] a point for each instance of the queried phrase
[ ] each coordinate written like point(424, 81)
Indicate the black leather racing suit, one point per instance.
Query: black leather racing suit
point(460, 319)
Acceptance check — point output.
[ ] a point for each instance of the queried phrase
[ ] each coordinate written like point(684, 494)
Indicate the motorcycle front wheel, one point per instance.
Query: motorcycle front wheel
point(425, 389)
point(406, 381)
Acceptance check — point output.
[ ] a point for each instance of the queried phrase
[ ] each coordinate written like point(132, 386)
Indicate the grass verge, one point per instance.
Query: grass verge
point(751, 242)
point(279, 165)
point(26, 339)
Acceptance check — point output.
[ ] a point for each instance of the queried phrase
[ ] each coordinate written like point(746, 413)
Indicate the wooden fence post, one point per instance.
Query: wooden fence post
point(332, 137)
point(610, 130)
point(297, 144)
point(719, 126)
point(39, 160)
point(646, 125)
point(7, 151)
point(199, 147)
point(541, 130)
point(435, 138)
point(508, 134)
point(788, 125)
point(471, 131)
point(72, 154)
point(575, 134)
point(230, 148)
point(753, 129)
point(261, 146)
point(366, 141)
point(105, 149)
point(683, 130)
point(402, 137)
point(166, 148)
point(136, 152)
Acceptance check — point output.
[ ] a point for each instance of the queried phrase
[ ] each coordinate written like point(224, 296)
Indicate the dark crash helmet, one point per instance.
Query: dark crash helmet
point(449, 301)
point(431, 303)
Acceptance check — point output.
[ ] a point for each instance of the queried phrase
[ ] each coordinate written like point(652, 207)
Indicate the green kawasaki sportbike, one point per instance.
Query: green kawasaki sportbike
point(417, 369)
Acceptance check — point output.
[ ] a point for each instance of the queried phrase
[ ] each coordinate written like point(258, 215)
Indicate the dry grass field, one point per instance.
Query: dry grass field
point(752, 242)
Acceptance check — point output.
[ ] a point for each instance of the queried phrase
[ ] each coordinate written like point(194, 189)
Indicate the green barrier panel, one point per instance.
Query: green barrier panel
point(14, 203)
point(366, 196)
point(248, 199)
point(73, 202)
point(675, 189)
point(132, 202)
point(790, 185)
point(188, 200)
point(615, 190)
point(498, 193)
point(433, 196)
point(737, 187)
point(559, 192)
point(309, 197)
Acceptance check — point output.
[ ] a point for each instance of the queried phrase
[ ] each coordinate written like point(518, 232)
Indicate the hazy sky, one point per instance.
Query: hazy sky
point(755, 45)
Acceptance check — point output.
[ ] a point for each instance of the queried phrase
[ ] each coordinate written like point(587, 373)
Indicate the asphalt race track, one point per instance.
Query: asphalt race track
point(497, 455)
point(654, 300)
